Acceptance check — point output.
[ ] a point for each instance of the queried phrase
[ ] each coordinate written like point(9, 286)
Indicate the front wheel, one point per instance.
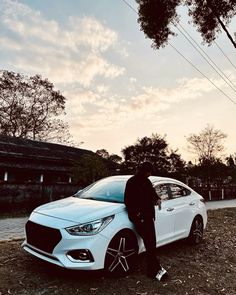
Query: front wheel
point(196, 232)
point(121, 253)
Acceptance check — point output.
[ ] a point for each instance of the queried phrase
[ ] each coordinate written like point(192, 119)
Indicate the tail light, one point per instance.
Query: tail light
point(203, 200)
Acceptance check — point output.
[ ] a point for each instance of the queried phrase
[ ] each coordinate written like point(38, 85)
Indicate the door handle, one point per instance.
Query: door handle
point(169, 209)
point(191, 203)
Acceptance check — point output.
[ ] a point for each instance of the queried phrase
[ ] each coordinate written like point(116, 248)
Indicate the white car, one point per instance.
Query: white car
point(91, 230)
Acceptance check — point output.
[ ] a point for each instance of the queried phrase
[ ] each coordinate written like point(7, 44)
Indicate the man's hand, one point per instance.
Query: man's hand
point(158, 203)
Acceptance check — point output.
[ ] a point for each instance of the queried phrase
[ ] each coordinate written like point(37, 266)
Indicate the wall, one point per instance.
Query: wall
point(28, 196)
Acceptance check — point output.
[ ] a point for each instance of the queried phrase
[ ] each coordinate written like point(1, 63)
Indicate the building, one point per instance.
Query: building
point(24, 160)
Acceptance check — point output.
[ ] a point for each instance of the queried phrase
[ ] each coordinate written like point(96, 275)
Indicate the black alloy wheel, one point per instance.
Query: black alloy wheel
point(196, 232)
point(121, 253)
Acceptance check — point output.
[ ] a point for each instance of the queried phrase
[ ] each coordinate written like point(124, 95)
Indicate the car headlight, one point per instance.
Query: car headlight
point(90, 228)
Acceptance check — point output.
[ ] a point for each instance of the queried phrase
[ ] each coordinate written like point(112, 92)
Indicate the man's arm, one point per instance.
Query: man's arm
point(155, 197)
point(131, 201)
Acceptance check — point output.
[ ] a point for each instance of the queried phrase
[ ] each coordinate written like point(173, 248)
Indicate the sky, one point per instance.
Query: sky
point(117, 87)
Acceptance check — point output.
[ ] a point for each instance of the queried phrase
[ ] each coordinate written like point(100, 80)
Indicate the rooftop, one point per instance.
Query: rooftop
point(18, 152)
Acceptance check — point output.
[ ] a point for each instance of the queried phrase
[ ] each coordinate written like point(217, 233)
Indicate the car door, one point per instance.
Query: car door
point(164, 222)
point(182, 203)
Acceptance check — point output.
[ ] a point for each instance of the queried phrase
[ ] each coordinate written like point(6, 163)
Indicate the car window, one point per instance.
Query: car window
point(108, 190)
point(162, 191)
point(178, 191)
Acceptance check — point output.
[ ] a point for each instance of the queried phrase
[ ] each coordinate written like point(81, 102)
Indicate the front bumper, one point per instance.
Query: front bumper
point(59, 254)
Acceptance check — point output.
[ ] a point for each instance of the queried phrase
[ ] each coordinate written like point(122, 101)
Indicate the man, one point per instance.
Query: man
point(140, 200)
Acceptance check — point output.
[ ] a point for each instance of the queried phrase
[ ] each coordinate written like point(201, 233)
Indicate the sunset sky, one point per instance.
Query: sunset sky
point(117, 87)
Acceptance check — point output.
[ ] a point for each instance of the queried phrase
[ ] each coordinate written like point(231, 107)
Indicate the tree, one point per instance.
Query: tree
point(115, 158)
point(207, 145)
point(230, 161)
point(103, 153)
point(30, 108)
point(211, 171)
point(177, 165)
point(155, 150)
point(112, 161)
point(231, 164)
point(209, 16)
point(89, 169)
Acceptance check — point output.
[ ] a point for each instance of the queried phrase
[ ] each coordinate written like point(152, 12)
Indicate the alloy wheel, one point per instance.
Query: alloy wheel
point(121, 253)
point(196, 233)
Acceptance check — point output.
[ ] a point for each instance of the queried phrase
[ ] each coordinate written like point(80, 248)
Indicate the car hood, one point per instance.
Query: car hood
point(79, 210)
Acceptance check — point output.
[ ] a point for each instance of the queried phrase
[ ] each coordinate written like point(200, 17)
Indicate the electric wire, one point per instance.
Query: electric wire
point(202, 73)
point(209, 60)
point(225, 54)
point(226, 95)
point(130, 6)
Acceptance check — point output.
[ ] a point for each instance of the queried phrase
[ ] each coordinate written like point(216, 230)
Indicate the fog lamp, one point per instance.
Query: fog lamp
point(80, 255)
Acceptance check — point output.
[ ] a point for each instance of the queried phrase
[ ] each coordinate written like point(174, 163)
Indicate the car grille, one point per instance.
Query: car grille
point(42, 237)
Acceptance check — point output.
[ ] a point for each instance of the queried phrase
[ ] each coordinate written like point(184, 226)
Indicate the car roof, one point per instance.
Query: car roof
point(152, 178)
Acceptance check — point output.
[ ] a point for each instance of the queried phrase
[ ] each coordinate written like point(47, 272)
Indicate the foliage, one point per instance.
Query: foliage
point(155, 150)
point(209, 16)
point(103, 153)
point(211, 171)
point(30, 108)
point(89, 169)
point(177, 167)
point(155, 17)
point(231, 163)
point(113, 157)
point(206, 145)
point(112, 161)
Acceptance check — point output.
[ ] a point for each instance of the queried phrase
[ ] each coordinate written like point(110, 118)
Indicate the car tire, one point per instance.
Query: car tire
point(196, 232)
point(121, 254)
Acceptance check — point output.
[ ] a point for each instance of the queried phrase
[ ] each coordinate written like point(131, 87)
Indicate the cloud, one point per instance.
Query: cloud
point(102, 88)
point(92, 34)
point(73, 53)
point(111, 112)
point(76, 56)
point(132, 80)
point(28, 23)
point(10, 44)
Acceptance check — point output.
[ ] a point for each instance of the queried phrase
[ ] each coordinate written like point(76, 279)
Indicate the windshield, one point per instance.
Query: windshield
point(108, 190)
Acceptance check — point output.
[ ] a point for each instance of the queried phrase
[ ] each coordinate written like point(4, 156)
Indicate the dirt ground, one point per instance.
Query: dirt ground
point(209, 268)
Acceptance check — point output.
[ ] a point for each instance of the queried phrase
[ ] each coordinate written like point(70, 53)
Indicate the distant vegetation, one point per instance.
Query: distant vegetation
point(210, 168)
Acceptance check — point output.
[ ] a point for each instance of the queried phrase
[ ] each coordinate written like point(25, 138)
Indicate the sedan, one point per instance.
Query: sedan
point(91, 229)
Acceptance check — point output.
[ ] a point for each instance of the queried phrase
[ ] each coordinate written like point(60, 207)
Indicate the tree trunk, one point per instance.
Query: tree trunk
point(227, 32)
point(222, 24)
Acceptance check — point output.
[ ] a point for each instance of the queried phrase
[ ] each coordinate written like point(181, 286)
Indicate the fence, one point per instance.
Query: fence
point(217, 193)
point(28, 196)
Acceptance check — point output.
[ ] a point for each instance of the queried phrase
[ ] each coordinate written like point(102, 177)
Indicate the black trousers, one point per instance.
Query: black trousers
point(146, 229)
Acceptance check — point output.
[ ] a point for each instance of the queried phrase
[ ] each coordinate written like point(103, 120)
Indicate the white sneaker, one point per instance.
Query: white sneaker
point(161, 274)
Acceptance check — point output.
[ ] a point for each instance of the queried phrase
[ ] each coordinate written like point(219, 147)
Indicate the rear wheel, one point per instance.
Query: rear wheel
point(121, 253)
point(196, 232)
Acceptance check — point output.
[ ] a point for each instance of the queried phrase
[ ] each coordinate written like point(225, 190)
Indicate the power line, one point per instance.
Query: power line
point(215, 67)
point(127, 3)
point(191, 62)
point(202, 73)
point(225, 54)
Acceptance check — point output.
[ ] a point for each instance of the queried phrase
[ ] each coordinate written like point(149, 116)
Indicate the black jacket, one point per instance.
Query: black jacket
point(140, 198)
